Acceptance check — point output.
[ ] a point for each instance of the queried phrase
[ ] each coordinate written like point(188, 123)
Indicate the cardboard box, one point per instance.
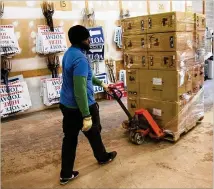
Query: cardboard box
point(195, 79)
point(136, 60)
point(188, 81)
point(173, 41)
point(198, 77)
point(175, 117)
point(201, 75)
point(167, 22)
point(135, 43)
point(190, 21)
point(170, 60)
point(195, 109)
point(163, 85)
point(199, 39)
point(166, 114)
point(200, 22)
point(199, 55)
point(133, 83)
point(133, 104)
point(135, 25)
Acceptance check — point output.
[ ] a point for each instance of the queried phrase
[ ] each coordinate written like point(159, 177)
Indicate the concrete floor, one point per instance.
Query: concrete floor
point(31, 147)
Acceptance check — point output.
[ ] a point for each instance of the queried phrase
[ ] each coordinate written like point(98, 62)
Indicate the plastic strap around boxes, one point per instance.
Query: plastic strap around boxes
point(188, 117)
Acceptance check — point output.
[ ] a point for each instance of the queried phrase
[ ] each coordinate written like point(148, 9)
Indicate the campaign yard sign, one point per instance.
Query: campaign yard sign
point(50, 90)
point(102, 77)
point(9, 43)
point(96, 43)
point(50, 42)
point(17, 100)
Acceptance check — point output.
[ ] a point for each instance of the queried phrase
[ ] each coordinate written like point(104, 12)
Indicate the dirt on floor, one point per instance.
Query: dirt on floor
point(31, 147)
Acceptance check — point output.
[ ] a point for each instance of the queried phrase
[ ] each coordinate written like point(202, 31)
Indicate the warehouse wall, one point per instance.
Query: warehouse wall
point(26, 15)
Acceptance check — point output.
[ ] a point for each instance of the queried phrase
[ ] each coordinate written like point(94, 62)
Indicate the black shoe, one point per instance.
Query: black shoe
point(112, 155)
point(64, 181)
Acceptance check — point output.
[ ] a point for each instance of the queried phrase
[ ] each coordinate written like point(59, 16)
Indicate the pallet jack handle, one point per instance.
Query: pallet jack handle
point(114, 95)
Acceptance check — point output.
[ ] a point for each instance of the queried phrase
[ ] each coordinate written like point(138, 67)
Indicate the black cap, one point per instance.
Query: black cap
point(77, 34)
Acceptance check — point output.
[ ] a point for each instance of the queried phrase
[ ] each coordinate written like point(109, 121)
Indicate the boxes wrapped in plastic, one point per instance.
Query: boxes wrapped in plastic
point(135, 25)
point(159, 84)
point(173, 41)
point(187, 117)
point(175, 118)
point(200, 22)
point(135, 43)
point(136, 60)
point(164, 22)
point(170, 22)
point(162, 60)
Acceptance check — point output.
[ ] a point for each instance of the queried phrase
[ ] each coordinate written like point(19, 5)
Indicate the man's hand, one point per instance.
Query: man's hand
point(105, 86)
point(87, 124)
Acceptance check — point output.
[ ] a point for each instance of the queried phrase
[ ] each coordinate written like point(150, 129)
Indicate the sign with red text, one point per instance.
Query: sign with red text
point(50, 90)
point(50, 42)
point(9, 43)
point(14, 98)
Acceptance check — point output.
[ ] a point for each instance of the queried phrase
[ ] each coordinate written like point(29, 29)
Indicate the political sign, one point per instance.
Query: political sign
point(102, 77)
point(96, 43)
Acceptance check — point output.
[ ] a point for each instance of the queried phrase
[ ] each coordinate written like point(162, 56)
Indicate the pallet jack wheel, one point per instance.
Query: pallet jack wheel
point(139, 139)
point(131, 136)
point(201, 118)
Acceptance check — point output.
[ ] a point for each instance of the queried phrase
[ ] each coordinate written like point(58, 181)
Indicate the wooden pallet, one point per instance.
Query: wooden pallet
point(174, 137)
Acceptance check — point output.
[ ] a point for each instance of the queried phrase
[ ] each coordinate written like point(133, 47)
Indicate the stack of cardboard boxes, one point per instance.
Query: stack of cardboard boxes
point(163, 55)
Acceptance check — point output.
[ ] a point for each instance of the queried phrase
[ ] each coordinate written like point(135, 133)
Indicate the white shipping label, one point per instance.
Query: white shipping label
point(157, 81)
point(157, 112)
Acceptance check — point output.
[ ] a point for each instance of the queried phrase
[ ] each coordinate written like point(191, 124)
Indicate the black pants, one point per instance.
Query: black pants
point(72, 124)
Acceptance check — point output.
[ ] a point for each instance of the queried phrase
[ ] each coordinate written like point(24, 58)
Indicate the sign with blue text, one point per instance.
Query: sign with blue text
point(102, 77)
point(96, 43)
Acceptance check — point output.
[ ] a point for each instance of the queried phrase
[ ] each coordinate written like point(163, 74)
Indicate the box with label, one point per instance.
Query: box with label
point(133, 104)
point(197, 77)
point(167, 22)
point(199, 39)
point(133, 83)
point(164, 112)
point(165, 85)
point(173, 41)
point(200, 22)
point(201, 75)
point(136, 60)
point(195, 109)
point(190, 21)
point(199, 55)
point(170, 60)
point(135, 25)
point(175, 117)
point(135, 43)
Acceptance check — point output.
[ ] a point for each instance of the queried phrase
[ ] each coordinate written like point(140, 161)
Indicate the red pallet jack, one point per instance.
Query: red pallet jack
point(141, 124)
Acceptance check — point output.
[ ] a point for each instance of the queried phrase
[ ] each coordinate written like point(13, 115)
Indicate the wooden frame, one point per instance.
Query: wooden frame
point(33, 73)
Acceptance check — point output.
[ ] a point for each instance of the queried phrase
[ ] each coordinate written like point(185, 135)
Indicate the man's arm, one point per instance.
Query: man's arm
point(80, 86)
point(96, 81)
point(80, 92)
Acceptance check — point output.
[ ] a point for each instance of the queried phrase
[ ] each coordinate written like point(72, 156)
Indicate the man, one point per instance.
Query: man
point(79, 108)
